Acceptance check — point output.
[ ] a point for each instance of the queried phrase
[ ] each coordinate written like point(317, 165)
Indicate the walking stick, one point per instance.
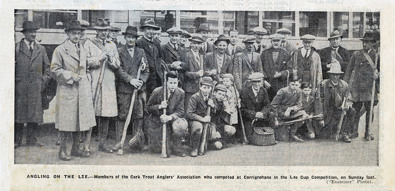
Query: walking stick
point(164, 154)
point(98, 86)
point(299, 120)
point(203, 142)
point(245, 140)
point(339, 125)
point(373, 92)
point(129, 116)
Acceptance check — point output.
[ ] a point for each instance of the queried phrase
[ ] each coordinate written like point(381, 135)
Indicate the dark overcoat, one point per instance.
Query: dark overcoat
point(342, 56)
point(191, 66)
point(210, 63)
point(243, 67)
point(270, 67)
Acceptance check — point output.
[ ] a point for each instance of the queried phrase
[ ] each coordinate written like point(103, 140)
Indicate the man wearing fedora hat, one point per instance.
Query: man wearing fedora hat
point(245, 63)
point(360, 74)
point(334, 51)
point(336, 101)
point(153, 55)
point(32, 76)
point(132, 58)
point(75, 111)
point(290, 48)
point(274, 61)
point(204, 31)
point(218, 62)
point(306, 62)
point(103, 60)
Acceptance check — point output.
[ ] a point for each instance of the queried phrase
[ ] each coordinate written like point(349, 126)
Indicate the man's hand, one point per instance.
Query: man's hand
point(266, 84)
point(200, 73)
point(136, 83)
point(176, 65)
point(211, 103)
point(163, 105)
point(322, 123)
point(287, 112)
point(206, 119)
point(277, 75)
point(376, 74)
point(212, 72)
point(76, 77)
point(259, 115)
point(165, 118)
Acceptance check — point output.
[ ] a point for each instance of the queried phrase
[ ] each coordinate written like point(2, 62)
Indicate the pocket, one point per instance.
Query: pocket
point(66, 92)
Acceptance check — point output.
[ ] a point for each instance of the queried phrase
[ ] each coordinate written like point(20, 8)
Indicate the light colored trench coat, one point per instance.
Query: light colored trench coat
point(74, 105)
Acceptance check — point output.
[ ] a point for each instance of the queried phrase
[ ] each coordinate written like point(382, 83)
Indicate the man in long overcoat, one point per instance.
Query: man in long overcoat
point(102, 53)
point(285, 44)
point(31, 77)
point(361, 72)
point(245, 63)
point(132, 59)
point(75, 112)
point(275, 65)
point(334, 51)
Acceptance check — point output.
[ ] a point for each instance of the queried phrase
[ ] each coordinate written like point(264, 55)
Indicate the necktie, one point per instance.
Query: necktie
point(31, 47)
point(78, 49)
point(307, 53)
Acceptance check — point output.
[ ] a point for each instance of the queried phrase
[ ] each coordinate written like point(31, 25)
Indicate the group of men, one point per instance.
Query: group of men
point(192, 87)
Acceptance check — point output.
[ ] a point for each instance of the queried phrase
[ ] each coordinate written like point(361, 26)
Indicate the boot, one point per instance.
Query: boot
point(63, 150)
point(118, 134)
point(75, 149)
point(346, 139)
point(31, 139)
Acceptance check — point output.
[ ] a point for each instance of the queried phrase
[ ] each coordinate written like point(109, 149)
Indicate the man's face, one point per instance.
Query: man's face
point(294, 85)
point(335, 42)
point(172, 84)
point(306, 91)
point(249, 46)
point(149, 32)
point(30, 35)
point(74, 35)
point(256, 84)
point(205, 89)
point(222, 46)
point(195, 46)
point(334, 78)
point(102, 34)
point(112, 34)
point(368, 44)
point(259, 37)
point(174, 38)
point(183, 40)
point(307, 44)
point(276, 43)
point(130, 40)
point(233, 37)
point(219, 95)
point(205, 35)
point(227, 82)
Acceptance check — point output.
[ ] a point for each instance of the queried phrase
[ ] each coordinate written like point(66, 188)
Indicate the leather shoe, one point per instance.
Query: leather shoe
point(346, 139)
point(296, 138)
point(354, 135)
point(194, 153)
point(369, 138)
point(79, 153)
point(63, 156)
point(105, 149)
point(34, 143)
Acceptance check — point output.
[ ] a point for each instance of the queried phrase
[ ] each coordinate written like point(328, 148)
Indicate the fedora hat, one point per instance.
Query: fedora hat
point(150, 23)
point(221, 38)
point(335, 34)
point(203, 27)
point(131, 30)
point(335, 67)
point(371, 36)
point(102, 24)
point(196, 38)
point(74, 25)
point(29, 25)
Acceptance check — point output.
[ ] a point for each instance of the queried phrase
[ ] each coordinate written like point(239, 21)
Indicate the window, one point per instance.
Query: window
point(340, 23)
point(190, 20)
point(53, 19)
point(314, 23)
point(20, 17)
point(279, 19)
point(372, 21)
point(252, 20)
point(229, 21)
point(357, 22)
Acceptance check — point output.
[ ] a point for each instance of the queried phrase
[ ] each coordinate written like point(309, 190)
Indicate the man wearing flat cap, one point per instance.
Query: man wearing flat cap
point(204, 31)
point(306, 63)
point(103, 60)
point(218, 62)
point(171, 51)
point(184, 42)
point(132, 60)
point(361, 72)
point(113, 33)
point(153, 55)
point(275, 65)
point(31, 78)
point(255, 103)
point(334, 52)
point(75, 111)
point(245, 63)
point(289, 47)
point(259, 44)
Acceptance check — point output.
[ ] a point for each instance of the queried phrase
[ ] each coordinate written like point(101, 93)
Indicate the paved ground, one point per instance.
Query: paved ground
point(309, 153)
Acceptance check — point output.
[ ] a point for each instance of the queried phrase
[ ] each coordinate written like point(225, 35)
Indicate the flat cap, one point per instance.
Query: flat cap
point(256, 76)
point(308, 37)
point(283, 31)
point(174, 30)
point(206, 80)
point(227, 75)
point(221, 87)
point(276, 36)
point(249, 39)
point(185, 34)
point(259, 30)
point(222, 38)
point(196, 38)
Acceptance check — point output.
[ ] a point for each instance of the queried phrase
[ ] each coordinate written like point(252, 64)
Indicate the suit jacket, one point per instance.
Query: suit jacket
point(270, 67)
point(210, 63)
point(128, 69)
point(286, 98)
point(175, 104)
point(31, 77)
point(243, 67)
point(207, 47)
point(326, 55)
point(251, 104)
point(191, 66)
point(169, 54)
point(197, 107)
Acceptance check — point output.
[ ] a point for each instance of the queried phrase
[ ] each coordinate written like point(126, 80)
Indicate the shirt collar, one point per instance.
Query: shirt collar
point(28, 43)
point(147, 38)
